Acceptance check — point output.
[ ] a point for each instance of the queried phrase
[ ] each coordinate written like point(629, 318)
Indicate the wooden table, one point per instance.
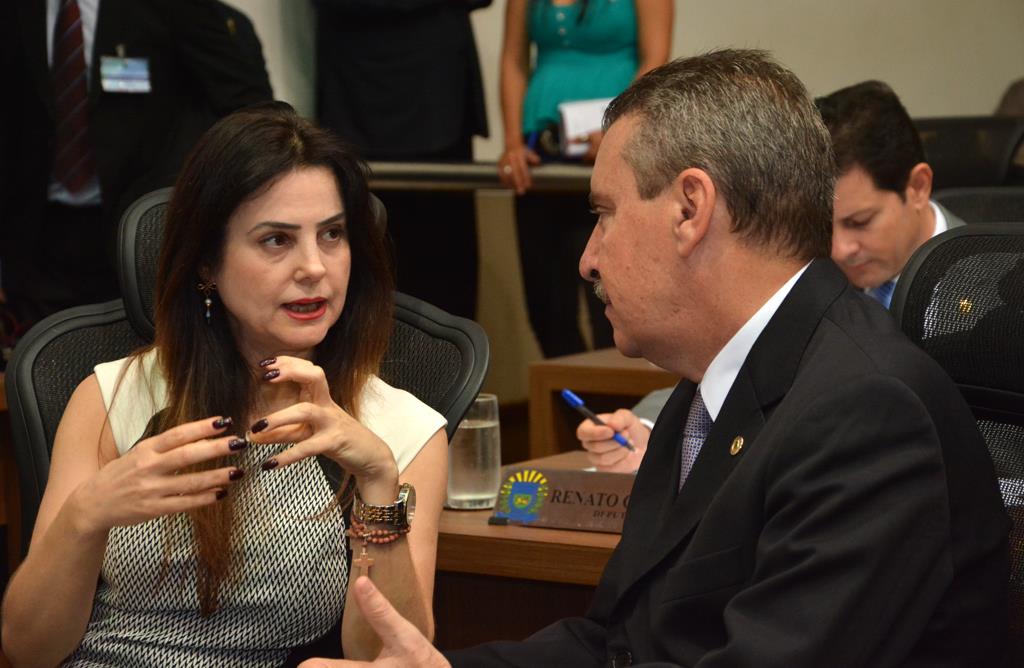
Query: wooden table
point(505, 582)
point(604, 379)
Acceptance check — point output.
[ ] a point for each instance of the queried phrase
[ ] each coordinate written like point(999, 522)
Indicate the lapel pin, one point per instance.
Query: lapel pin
point(737, 445)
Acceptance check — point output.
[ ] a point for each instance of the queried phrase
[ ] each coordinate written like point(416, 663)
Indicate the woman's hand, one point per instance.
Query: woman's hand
point(144, 483)
point(514, 167)
point(318, 426)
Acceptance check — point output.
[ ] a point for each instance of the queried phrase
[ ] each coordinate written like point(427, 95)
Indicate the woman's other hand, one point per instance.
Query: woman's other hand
point(146, 482)
point(514, 167)
point(318, 426)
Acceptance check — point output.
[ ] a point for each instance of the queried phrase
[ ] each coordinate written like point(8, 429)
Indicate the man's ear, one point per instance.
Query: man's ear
point(694, 195)
point(919, 185)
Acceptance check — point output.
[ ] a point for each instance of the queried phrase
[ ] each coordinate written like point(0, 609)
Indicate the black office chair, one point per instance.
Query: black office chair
point(440, 358)
point(984, 205)
point(970, 151)
point(961, 299)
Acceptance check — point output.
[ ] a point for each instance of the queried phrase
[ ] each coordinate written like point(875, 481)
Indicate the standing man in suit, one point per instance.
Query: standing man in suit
point(882, 213)
point(106, 97)
point(816, 492)
point(400, 79)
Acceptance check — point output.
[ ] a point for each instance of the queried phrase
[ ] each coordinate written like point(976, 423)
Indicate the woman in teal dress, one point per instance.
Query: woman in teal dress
point(585, 49)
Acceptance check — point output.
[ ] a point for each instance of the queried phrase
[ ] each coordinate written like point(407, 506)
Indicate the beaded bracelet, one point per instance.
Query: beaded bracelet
point(375, 536)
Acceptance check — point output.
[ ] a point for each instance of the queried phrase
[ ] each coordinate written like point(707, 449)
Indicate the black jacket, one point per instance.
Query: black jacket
point(399, 78)
point(199, 71)
point(860, 524)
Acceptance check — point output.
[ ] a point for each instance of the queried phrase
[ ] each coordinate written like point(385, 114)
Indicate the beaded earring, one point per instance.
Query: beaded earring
point(207, 288)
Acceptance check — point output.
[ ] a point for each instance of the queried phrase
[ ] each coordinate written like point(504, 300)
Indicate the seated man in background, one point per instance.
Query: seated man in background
point(883, 212)
point(816, 491)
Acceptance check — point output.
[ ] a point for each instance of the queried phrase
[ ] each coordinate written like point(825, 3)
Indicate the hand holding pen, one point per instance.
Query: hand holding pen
point(577, 404)
point(604, 451)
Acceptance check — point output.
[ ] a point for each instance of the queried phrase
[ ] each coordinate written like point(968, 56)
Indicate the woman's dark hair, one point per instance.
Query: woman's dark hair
point(237, 159)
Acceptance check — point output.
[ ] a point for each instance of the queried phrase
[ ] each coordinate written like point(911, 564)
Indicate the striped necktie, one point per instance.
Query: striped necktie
point(73, 164)
point(698, 425)
point(883, 293)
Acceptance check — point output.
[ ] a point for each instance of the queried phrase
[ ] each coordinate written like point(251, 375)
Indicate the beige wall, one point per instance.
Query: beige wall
point(944, 57)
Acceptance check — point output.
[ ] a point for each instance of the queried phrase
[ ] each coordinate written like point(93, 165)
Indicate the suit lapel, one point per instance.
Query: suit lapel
point(654, 490)
point(33, 30)
point(659, 518)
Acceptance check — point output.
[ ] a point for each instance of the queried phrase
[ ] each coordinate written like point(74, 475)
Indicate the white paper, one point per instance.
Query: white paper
point(579, 119)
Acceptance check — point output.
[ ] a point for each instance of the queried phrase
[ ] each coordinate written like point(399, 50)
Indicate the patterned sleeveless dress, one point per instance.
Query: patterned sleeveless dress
point(290, 553)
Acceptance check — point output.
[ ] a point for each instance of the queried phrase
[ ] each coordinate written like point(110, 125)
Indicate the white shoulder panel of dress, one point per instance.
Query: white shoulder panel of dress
point(401, 420)
point(133, 394)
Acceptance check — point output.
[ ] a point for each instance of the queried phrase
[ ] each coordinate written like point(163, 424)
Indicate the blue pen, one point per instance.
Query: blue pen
point(531, 141)
point(577, 403)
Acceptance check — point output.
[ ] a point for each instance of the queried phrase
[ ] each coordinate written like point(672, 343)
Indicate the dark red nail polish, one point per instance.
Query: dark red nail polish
point(222, 422)
point(259, 426)
point(268, 361)
point(221, 493)
point(269, 464)
point(236, 474)
point(272, 374)
point(238, 444)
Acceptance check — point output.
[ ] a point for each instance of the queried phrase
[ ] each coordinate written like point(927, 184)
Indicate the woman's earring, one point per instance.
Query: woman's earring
point(207, 288)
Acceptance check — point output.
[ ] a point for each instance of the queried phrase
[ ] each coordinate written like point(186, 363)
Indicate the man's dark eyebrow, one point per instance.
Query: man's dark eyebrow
point(869, 210)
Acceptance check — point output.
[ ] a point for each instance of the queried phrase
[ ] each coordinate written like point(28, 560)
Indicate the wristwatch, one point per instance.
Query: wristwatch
point(398, 514)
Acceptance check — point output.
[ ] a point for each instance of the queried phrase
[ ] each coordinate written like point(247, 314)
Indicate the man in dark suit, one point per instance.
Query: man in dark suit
point(400, 79)
point(883, 212)
point(148, 77)
point(816, 492)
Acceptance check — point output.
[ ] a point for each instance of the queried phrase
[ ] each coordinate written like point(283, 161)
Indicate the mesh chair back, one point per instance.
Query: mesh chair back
point(961, 298)
point(48, 363)
point(969, 151)
point(985, 205)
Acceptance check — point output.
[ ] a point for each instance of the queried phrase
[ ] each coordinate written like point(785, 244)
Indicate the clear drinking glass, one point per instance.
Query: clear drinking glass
point(474, 457)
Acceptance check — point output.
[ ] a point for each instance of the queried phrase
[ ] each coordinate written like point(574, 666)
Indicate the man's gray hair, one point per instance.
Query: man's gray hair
point(750, 124)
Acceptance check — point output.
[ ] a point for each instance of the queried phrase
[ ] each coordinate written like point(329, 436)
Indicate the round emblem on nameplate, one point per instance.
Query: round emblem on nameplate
point(737, 445)
point(522, 496)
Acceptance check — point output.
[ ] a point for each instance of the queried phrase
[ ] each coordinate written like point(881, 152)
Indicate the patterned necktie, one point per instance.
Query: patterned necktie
point(698, 424)
point(883, 293)
point(73, 164)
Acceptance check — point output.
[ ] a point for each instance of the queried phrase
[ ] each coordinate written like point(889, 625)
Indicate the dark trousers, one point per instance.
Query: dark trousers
point(434, 234)
point(68, 262)
point(553, 230)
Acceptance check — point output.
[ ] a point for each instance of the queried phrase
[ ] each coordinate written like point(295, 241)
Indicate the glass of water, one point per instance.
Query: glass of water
point(474, 457)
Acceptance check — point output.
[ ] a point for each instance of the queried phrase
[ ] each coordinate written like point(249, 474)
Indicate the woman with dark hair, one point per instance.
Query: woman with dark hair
point(165, 536)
